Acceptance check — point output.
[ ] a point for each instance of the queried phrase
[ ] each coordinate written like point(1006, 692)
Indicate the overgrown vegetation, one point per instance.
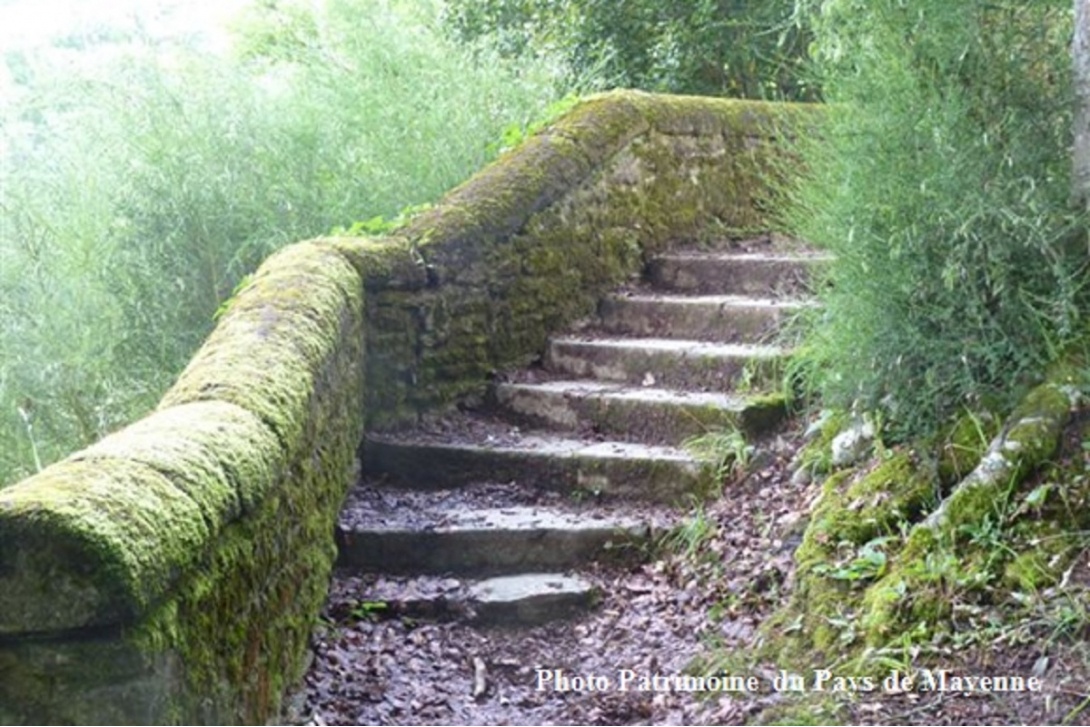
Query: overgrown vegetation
point(738, 48)
point(726, 450)
point(140, 180)
point(940, 183)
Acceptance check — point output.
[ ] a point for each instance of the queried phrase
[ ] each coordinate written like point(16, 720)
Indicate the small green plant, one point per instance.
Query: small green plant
point(725, 449)
point(868, 563)
point(378, 225)
point(580, 495)
point(517, 132)
point(690, 536)
point(368, 610)
point(225, 306)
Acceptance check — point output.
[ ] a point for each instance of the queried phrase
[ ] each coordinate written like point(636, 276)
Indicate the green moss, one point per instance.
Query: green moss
point(388, 263)
point(915, 596)
point(964, 443)
point(267, 353)
point(222, 457)
point(92, 543)
point(241, 620)
point(1041, 565)
point(199, 537)
point(859, 507)
point(851, 537)
point(817, 455)
point(980, 538)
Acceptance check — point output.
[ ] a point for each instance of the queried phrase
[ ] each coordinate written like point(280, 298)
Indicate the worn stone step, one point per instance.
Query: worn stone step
point(486, 530)
point(724, 318)
point(531, 598)
point(520, 599)
point(586, 468)
point(684, 364)
point(754, 274)
point(637, 413)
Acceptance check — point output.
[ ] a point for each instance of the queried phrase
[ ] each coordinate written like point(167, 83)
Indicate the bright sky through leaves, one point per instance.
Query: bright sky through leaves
point(26, 23)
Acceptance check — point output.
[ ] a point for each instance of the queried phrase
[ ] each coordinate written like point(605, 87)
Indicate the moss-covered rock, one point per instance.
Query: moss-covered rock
point(901, 564)
point(859, 506)
point(850, 538)
point(963, 444)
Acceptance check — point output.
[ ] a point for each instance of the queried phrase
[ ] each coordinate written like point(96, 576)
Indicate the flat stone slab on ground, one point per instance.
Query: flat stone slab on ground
point(524, 599)
point(452, 458)
point(632, 412)
point(684, 364)
point(398, 531)
point(531, 597)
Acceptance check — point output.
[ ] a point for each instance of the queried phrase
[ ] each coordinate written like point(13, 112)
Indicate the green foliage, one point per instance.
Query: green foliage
point(725, 449)
point(368, 610)
point(139, 184)
point(517, 132)
point(940, 184)
point(868, 563)
point(378, 225)
point(739, 48)
point(692, 535)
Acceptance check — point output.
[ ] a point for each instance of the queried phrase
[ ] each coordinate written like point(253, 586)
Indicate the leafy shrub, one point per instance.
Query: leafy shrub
point(940, 184)
point(741, 48)
point(140, 181)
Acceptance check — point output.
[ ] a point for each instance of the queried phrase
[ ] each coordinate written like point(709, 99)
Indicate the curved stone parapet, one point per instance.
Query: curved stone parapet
point(477, 283)
point(173, 571)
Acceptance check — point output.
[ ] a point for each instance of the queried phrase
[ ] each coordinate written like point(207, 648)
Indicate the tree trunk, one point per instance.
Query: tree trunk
point(1080, 51)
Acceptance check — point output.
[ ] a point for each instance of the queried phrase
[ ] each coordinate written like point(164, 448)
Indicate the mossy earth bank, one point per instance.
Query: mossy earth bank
point(915, 559)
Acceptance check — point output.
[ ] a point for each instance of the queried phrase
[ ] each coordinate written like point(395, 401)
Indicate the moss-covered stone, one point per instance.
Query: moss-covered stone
point(531, 243)
point(859, 507)
point(197, 543)
point(964, 443)
point(92, 543)
point(1047, 548)
point(1028, 439)
point(989, 532)
point(851, 536)
point(389, 263)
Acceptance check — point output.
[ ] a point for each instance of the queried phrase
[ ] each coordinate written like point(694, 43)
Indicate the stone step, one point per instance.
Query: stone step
point(522, 599)
point(754, 274)
point(585, 468)
point(637, 413)
point(531, 598)
point(683, 364)
point(485, 531)
point(725, 318)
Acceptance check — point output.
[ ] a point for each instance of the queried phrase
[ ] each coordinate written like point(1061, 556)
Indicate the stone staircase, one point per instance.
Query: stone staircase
point(504, 513)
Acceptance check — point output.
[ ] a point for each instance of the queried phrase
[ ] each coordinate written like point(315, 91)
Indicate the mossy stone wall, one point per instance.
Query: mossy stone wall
point(532, 242)
point(173, 571)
